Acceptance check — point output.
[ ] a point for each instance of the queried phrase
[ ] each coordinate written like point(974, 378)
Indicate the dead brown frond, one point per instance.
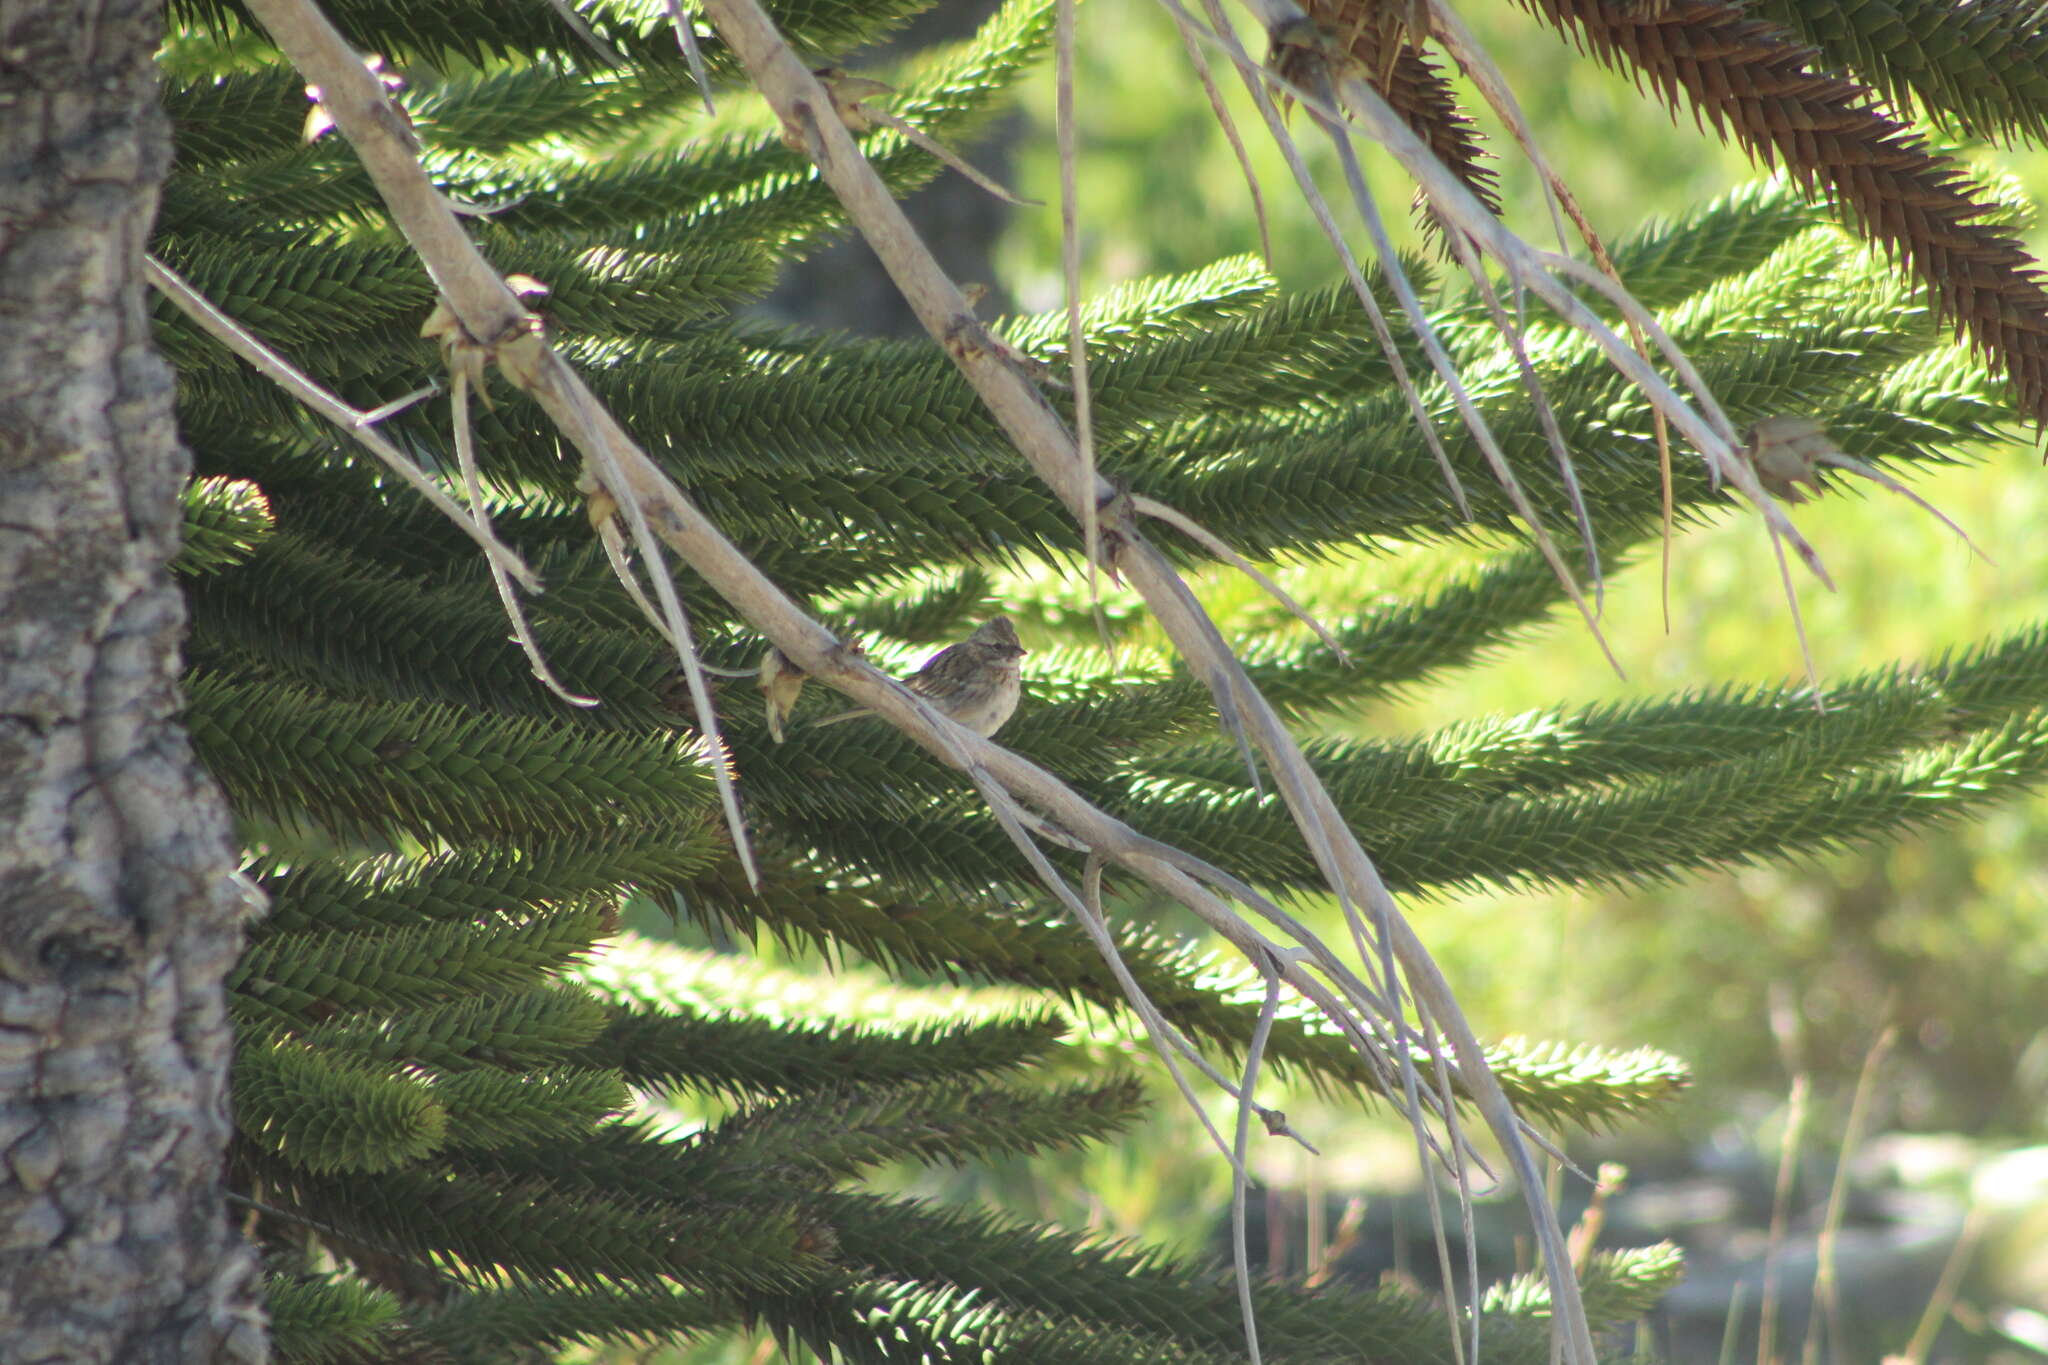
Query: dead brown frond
point(1386, 42)
point(1755, 84)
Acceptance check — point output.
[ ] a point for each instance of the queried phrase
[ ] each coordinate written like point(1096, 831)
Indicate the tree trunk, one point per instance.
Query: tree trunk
point(118, 914)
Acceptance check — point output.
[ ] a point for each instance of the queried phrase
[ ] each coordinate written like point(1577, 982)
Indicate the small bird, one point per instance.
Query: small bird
point(974, 682)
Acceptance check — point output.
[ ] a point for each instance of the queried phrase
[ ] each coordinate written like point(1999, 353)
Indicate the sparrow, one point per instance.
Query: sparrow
point(975, 682)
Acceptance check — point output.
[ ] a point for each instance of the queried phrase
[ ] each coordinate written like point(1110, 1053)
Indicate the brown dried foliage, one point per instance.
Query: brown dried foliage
point(1414, 86)
point(1756, 84)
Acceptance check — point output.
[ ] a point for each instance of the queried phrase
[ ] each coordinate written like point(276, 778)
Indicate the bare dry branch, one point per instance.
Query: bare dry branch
point(649, 499)
point(1216, 545)
point(1240, 1185)
point(1254, 81)
point(1070, 271)
point(686, 39)
point(472, 484)
point(612, 56)
point(1038, 434)
point(360, 425)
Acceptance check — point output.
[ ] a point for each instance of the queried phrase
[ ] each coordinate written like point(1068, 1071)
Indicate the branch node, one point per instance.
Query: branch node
point(1116, 519)
point(800, 133)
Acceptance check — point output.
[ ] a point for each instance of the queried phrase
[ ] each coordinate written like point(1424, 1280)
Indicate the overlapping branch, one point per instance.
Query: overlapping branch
point(1762, 88)
point(624, 483)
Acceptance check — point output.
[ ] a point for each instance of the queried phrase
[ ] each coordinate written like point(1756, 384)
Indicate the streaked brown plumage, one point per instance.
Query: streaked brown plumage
point(975, 682)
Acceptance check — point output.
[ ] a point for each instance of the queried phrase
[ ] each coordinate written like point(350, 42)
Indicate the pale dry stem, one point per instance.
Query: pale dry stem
point(472, 484)
point(1460, 1181)
point(1512, 330)
point(603, 443)
point(946, 156)
point(686, 39)
point(360, 425)
point(1473, 59)
point(1942, 1300)
point(1088, 915)
point(1070, 271)
point(1826, 1287)
point(1543, 273)
point(1240, 1185)
point(370, 417)
point(1217, 546)
point(621, 560)
point(1798, 623)
point(1447, 371)
point(1233, 137)
point(1252, 76)
point(651, 502)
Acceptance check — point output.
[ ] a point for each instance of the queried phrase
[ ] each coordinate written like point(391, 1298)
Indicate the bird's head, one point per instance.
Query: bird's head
point(998, 631)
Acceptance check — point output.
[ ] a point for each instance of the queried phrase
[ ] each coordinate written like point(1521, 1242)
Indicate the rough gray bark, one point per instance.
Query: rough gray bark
point(118, 919)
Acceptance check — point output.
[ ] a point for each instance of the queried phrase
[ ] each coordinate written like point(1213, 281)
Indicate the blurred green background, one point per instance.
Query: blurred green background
point(1754, 977)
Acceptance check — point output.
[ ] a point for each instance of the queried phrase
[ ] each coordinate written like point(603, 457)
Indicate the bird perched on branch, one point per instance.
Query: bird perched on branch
point(974, 682)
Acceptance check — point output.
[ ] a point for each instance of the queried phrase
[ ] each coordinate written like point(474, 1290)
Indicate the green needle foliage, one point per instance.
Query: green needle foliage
point(445, 1140)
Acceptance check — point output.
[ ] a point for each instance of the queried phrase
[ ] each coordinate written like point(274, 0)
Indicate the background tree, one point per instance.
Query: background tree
point(116, 909)
point(436, 1055)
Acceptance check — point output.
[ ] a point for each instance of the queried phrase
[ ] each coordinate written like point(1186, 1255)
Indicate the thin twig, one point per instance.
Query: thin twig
point(1217, 546)
point(1240, 1184)
point(1254, 81)
point(946, 156)
point(1446, 369)
point(288, 377)
point(1233, 137)
point(686, 39)
point(1798, 622)
point(1467, 1218)
point(489, 311)
point(603, 443)
point(1544, 272)
point(1156, 1028)
point(1070, 271)
point(1473, 59)
point(1513, 332)
point(1161, 1030)
point(615, 553)
point(472, 484)
point(384, 411)
point(1826, 1291)
point(1942, 1301)
point(611, 55)
point(1541, 273)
